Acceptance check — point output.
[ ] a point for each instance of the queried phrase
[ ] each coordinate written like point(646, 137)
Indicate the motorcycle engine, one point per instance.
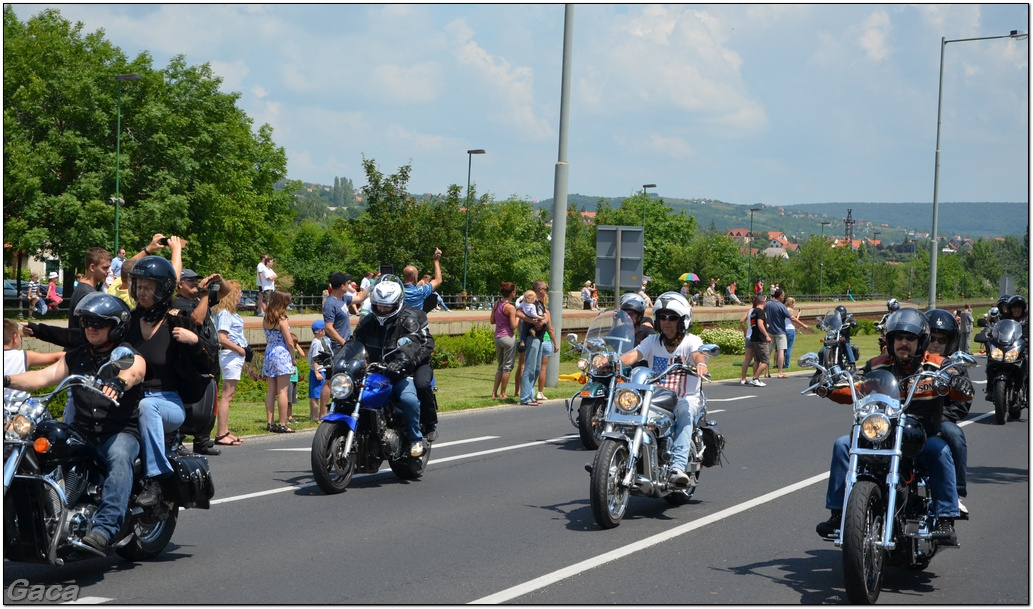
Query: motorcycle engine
point(390, 442)
point(78, 523)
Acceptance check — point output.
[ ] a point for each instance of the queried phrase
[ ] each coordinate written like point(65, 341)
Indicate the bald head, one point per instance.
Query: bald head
point(410, 274)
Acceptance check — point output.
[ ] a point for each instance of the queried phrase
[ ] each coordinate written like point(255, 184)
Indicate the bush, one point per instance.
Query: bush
point(866, 326)
point(475, 347)
point(732, 342)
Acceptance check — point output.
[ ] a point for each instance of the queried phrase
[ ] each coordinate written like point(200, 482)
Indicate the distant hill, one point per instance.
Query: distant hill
point(892, 220)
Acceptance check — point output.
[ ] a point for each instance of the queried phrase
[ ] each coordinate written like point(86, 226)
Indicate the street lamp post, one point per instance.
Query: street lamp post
point(875, 237)
point(934, 245)
point(749, 249)
point(466, 235)
point(821, 260)
point(118, 149)
point(645, 192)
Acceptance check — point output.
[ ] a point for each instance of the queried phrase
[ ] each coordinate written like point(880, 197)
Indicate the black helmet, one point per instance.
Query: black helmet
point(944, 321)
point(1002, 305)
point(843, 313)
point(1016, 301)
point(632, 302)
point(106, 308)
point(908, 321)
point(164, 274)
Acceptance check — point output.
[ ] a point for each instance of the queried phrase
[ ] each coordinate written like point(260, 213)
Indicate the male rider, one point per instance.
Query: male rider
point(381, 331)
point(675, 344)
point(109, 422)
point(907, 333)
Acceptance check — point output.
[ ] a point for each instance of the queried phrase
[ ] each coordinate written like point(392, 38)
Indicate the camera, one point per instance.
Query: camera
point(163, 241)
point(213, 293)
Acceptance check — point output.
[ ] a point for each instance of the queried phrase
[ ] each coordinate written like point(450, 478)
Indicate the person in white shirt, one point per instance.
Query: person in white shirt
point(266, 283)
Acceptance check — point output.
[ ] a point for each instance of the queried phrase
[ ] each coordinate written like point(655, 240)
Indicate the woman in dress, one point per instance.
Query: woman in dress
point(232, 355)
point(279, 363)
point(503, 316)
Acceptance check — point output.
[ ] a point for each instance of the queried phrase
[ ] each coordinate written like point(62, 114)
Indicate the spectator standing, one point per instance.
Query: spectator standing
point(36, 303)
point(98, 262)
point(117, 262)
point(533, 346)
point(684, 290)
point(292, 393)
point(336, 319)
point(586, 297)
point(318, 351)
point(966, 328)
point(548, 348)
point(279, 362)
point(791, 329)
point(759, 341)
point(120, 286)
point(645, 297)
point(503, 317)
point(777, 322)
point(419, 296)
point(266, 284)
point(234, 353)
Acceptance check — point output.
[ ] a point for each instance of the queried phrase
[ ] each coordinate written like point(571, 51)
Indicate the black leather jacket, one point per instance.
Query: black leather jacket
point(380, 339)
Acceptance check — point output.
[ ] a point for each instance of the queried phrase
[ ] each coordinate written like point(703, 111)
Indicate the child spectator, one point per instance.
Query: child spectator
point(317, 373)
point(36, 303)
point(17, 360)
point(292, 394)
point(527, 307)
point(53, 298)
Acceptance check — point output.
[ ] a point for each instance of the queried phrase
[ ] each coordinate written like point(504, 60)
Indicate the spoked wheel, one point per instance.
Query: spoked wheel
point(331, 468)
point(1000, 400)
point(590, 422)
point(151, 534)
point(864, 560)
point(608, 494)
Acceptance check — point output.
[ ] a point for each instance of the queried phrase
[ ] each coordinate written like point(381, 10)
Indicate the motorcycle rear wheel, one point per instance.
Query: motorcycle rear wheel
point(410, 468)
point(590, 422)
point(150, 536)
point(864, 561)
point(1000, 400)
point(331, 468)
point(608, 497)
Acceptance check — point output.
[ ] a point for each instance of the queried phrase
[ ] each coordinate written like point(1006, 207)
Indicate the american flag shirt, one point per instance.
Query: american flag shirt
point(659, 358)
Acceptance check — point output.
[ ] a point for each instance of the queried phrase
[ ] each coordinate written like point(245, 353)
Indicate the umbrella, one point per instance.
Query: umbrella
point(689, 277)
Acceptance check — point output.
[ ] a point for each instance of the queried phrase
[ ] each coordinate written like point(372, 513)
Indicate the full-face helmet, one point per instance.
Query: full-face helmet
point(843, 313)
point(1002, 306)
point(387, 298)
point(892, 305)
point(1016, 302)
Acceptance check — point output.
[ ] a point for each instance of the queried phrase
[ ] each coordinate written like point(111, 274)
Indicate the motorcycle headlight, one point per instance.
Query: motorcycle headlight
point(1011, 355)
point(341, 386)
point(627, 401)
point(875, 427)
point(996, 354)
point(582, 364)
point(600, 365)
point(18, 427)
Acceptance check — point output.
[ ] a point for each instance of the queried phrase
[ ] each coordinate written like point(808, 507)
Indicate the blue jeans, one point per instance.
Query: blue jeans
point(955, 439)
point(404, 392)
point(532, 368)
point(790, 339)
point(119, 451)
point(685, 413)
point(935, 458)
point(160, 413)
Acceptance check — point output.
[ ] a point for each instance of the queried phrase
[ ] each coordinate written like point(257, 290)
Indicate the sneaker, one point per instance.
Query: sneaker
point(679, 478)
point(944, 532)
point(96, 540)
point(829, 527)
point(756, 383)
point(431, 435)
point(416, 450)
point(150, 493)
point(742, 381)
point(964, 510)
point(540, 397)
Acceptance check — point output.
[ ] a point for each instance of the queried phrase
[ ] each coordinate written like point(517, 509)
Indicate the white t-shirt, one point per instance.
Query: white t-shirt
point(659, 358)
point(266, 279)
point(14, 363)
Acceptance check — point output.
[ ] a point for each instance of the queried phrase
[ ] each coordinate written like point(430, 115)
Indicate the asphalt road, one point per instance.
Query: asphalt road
point(502, 515)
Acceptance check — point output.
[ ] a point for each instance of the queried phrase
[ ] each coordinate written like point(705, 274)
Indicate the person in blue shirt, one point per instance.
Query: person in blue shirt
point(416, 296)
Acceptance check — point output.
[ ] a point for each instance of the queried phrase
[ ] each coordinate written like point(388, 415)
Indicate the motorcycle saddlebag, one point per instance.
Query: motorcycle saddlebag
point(714, 443)
point(191, 484)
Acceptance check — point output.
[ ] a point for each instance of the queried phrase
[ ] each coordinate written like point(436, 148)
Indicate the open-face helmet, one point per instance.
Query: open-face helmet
point(633, 303)
point(908, 321)
point(673, 302)
point(944, 321)
point(892, 305)
point(163, 274)
point(106, 309)
point(1016, 301)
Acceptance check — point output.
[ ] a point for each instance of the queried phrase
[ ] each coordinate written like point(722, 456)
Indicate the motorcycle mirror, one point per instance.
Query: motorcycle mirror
point(710, 350)
point(122, 358)
point(572, 338)
point(808, 360)
point(981, 322)
point(597, 344)
point(960, 358)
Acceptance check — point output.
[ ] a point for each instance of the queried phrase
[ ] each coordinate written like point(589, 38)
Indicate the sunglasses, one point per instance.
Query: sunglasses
point(938, 339)
point(96, 324)
point(668, 317)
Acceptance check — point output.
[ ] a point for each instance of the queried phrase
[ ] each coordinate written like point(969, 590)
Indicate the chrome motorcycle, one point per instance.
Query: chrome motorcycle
point(363, 426)
point(634, 456)
point(610, 335)
point(53, 479)
point(887, 515)
point(1007, 370)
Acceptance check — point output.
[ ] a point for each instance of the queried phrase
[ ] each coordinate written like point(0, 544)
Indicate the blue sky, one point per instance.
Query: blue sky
point(775, 104)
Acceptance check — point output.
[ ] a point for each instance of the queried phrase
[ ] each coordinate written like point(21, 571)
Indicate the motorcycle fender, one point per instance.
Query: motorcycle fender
point(337, 417)
point(613, 435)
point(594, 389)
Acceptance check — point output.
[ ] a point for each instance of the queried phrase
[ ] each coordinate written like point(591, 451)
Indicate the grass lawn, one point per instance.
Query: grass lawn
point(470, 387)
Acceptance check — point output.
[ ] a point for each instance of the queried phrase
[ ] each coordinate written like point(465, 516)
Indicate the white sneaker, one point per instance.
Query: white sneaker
point(541, 397)
point(416, 450)
point(679, 478)
point(757, 383)
point(742, 381)
point(962, 508)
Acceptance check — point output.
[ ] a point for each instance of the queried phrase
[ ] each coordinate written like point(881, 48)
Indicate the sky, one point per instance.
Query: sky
point(776, 104)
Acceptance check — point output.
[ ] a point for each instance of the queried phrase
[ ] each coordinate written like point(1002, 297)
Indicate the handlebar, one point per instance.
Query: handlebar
point(679, 366)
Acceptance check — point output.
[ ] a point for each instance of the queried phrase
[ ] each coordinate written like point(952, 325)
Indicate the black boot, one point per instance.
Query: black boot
point(829, 527)
point(944, 532)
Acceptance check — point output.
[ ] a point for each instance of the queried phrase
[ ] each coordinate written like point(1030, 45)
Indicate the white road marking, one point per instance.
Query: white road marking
point(567, 572)
point(741, 397)
point(89, 600)
point(436, 444)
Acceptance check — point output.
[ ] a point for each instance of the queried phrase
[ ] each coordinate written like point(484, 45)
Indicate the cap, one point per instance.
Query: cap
point(187, 274)
point(318, 325)
point(52, 275)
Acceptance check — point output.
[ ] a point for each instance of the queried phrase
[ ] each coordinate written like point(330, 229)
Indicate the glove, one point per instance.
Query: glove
point(396, 369)
point(118, 385)
point(962, 384)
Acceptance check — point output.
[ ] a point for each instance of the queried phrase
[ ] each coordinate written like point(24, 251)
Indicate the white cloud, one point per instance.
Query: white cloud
point(416, 84)
point(874, 32)
point(674, 147)
point(232, 73)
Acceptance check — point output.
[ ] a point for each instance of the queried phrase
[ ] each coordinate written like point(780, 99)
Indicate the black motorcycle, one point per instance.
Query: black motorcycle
point(53, 479)
point(835, 345)
point(1007, 369)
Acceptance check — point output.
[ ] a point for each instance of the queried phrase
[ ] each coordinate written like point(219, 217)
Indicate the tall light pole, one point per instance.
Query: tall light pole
point(749, 249)
point(821, 260)
point(117, 201)
point(466, 236)
point(645, 192)
point(875, 237)
point(934, 243)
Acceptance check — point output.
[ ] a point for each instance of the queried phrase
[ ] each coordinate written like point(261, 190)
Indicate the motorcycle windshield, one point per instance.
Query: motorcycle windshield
point(611, 332)
point(831, 322)
point(879, 386)
point(1006, 332)
point(350, 358)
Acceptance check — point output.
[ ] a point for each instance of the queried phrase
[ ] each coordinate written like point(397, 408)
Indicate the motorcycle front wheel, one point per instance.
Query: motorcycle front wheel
point(331, 468)
point(590, 422)
point(609, 497)
point(150, 536)
point(1000, 400)
point(864, 560)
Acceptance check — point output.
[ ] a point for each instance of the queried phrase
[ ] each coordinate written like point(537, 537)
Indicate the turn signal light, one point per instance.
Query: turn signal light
point(41, 445)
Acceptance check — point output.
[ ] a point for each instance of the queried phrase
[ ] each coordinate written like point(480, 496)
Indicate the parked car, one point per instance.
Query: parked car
point(10, 291)
point(248, 300)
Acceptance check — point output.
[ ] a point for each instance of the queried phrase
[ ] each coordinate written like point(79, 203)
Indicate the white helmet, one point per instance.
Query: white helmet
point(892, 304)
point(388, 291)
point(674, 303)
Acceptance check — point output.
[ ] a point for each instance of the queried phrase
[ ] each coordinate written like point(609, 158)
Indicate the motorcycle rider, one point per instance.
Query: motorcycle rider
point(944, 340)
point(848, 325)
point(891, 305)
point(389, 321)
point(673, 344)
point(1017, 311)
point(109, 423)
point(907, 334)
point(635, 307)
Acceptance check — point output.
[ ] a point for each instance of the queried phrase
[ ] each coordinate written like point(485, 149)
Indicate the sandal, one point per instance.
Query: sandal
point(282, 429)
point(228, 439)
